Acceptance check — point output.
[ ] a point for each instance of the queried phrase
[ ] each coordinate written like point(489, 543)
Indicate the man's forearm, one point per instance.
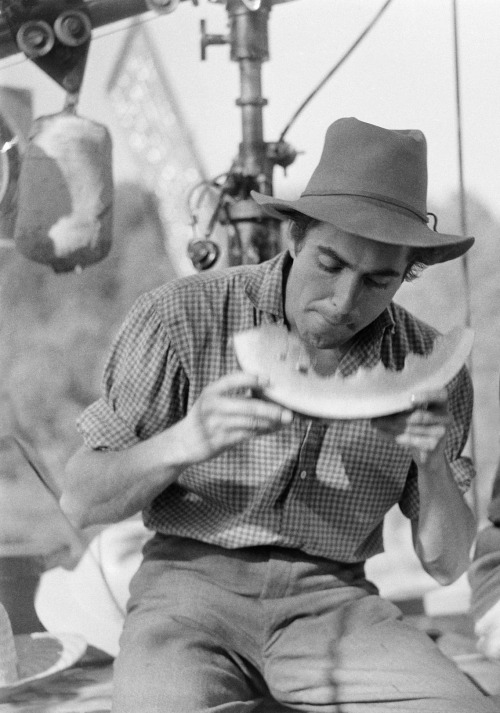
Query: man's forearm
point(446, 526)
point(101, 487)
point(105, 487)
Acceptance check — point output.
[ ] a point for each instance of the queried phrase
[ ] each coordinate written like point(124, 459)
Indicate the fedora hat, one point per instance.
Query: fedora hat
point(90, 599)
point(30, 659)
point(372, 182)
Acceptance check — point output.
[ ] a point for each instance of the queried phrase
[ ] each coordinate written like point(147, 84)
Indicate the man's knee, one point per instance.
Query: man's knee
point(176, 668)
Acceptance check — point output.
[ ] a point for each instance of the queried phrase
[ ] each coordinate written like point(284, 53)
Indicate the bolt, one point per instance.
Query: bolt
point(35, 38)
point(73, 26)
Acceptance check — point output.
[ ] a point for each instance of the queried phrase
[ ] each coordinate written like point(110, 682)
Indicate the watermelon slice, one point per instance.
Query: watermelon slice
point(270, 352)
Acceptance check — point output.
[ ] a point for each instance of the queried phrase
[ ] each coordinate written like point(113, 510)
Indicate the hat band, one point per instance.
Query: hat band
point(374, 196)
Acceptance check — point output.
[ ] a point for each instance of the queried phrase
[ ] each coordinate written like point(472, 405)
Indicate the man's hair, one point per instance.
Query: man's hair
point(300, 224)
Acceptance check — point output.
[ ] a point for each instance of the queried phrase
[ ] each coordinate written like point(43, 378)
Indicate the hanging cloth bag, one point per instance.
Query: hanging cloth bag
point(66, 193)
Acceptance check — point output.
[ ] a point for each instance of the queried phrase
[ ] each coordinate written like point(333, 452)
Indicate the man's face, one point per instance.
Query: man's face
point(339, 283)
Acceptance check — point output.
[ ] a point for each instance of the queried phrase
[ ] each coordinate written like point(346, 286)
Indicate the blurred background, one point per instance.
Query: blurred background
point(175, 120)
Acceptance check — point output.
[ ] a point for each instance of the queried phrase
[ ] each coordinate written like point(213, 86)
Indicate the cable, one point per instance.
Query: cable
point(334, 68)
point(203, 187)
point(97, 36)
point(463, 209)
point(464, 229)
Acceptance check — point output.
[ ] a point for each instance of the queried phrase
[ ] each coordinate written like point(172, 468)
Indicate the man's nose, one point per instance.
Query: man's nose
point(347, 291)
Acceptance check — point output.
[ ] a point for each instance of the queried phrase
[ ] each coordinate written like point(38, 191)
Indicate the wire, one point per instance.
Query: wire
point(99, 35)
point(463, 208)
point(203, 187)
point(335, 68)
point(464, 230)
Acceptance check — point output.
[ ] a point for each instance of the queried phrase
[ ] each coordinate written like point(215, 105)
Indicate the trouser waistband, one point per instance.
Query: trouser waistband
point(255, 570)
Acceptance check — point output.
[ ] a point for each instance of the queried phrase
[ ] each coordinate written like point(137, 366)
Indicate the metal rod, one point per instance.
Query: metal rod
point(252, 146)
point(103, 12)
point(249, 47)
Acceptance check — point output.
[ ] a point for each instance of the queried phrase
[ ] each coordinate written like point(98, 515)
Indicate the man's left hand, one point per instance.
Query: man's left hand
point(422, 429)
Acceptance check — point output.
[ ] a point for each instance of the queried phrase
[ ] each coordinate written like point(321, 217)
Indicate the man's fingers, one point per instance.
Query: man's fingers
point(435, 401)
point(227, 413)
point(237, 381)
point(262, 422)
point(418, 421)
point(253, 414)
point(421, 442)
point(427, 407)
point(237, 396)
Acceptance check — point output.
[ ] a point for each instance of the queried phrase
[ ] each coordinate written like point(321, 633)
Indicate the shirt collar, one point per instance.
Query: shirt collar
point(264, 286)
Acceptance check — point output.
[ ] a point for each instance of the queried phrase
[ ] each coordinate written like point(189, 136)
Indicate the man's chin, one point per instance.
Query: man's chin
point(321, 334)
point(320, 340)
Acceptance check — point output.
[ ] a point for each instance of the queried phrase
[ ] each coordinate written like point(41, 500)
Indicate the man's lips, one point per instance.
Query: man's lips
point(335, 322)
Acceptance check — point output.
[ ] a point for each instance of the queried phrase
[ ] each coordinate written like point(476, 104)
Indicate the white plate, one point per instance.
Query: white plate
point(271, 353)
point(42, 655)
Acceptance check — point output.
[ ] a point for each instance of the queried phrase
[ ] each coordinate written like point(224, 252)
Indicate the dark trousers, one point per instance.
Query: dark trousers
point(211, 630)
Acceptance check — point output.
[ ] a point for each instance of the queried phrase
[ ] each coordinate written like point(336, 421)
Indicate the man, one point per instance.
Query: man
point(254, 581)
point(484, 577)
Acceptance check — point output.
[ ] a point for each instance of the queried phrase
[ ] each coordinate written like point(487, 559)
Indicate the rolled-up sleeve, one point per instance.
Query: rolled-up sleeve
point(144, 385)
point(460, 403)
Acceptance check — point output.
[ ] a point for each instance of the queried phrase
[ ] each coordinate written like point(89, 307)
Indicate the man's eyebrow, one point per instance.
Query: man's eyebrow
point(383, 272)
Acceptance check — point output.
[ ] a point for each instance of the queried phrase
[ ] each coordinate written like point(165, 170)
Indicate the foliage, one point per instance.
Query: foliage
point(56, 329)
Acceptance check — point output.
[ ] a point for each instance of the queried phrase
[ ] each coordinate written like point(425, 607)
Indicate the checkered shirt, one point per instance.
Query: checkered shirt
point(323, 488)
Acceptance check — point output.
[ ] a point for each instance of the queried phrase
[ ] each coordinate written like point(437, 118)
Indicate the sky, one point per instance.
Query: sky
point(401, 76)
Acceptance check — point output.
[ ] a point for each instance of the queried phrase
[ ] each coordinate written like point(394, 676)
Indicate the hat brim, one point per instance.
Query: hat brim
point(373, 219)
point(42, 655)
point(90, 599)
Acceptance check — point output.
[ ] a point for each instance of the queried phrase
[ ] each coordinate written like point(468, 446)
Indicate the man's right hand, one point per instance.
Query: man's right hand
point(227, 413)
point(109, 486)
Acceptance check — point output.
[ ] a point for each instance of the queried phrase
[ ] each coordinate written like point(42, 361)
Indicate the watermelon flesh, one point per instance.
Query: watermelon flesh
point(270, 352)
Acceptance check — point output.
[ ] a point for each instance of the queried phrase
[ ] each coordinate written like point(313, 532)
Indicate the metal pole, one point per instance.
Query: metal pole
point(256, 236)
point(249, 47)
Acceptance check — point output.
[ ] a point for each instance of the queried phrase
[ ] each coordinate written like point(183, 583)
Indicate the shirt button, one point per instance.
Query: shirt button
point(303, 474)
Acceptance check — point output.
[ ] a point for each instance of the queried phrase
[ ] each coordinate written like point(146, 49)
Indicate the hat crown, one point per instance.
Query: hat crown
point(365, 160)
